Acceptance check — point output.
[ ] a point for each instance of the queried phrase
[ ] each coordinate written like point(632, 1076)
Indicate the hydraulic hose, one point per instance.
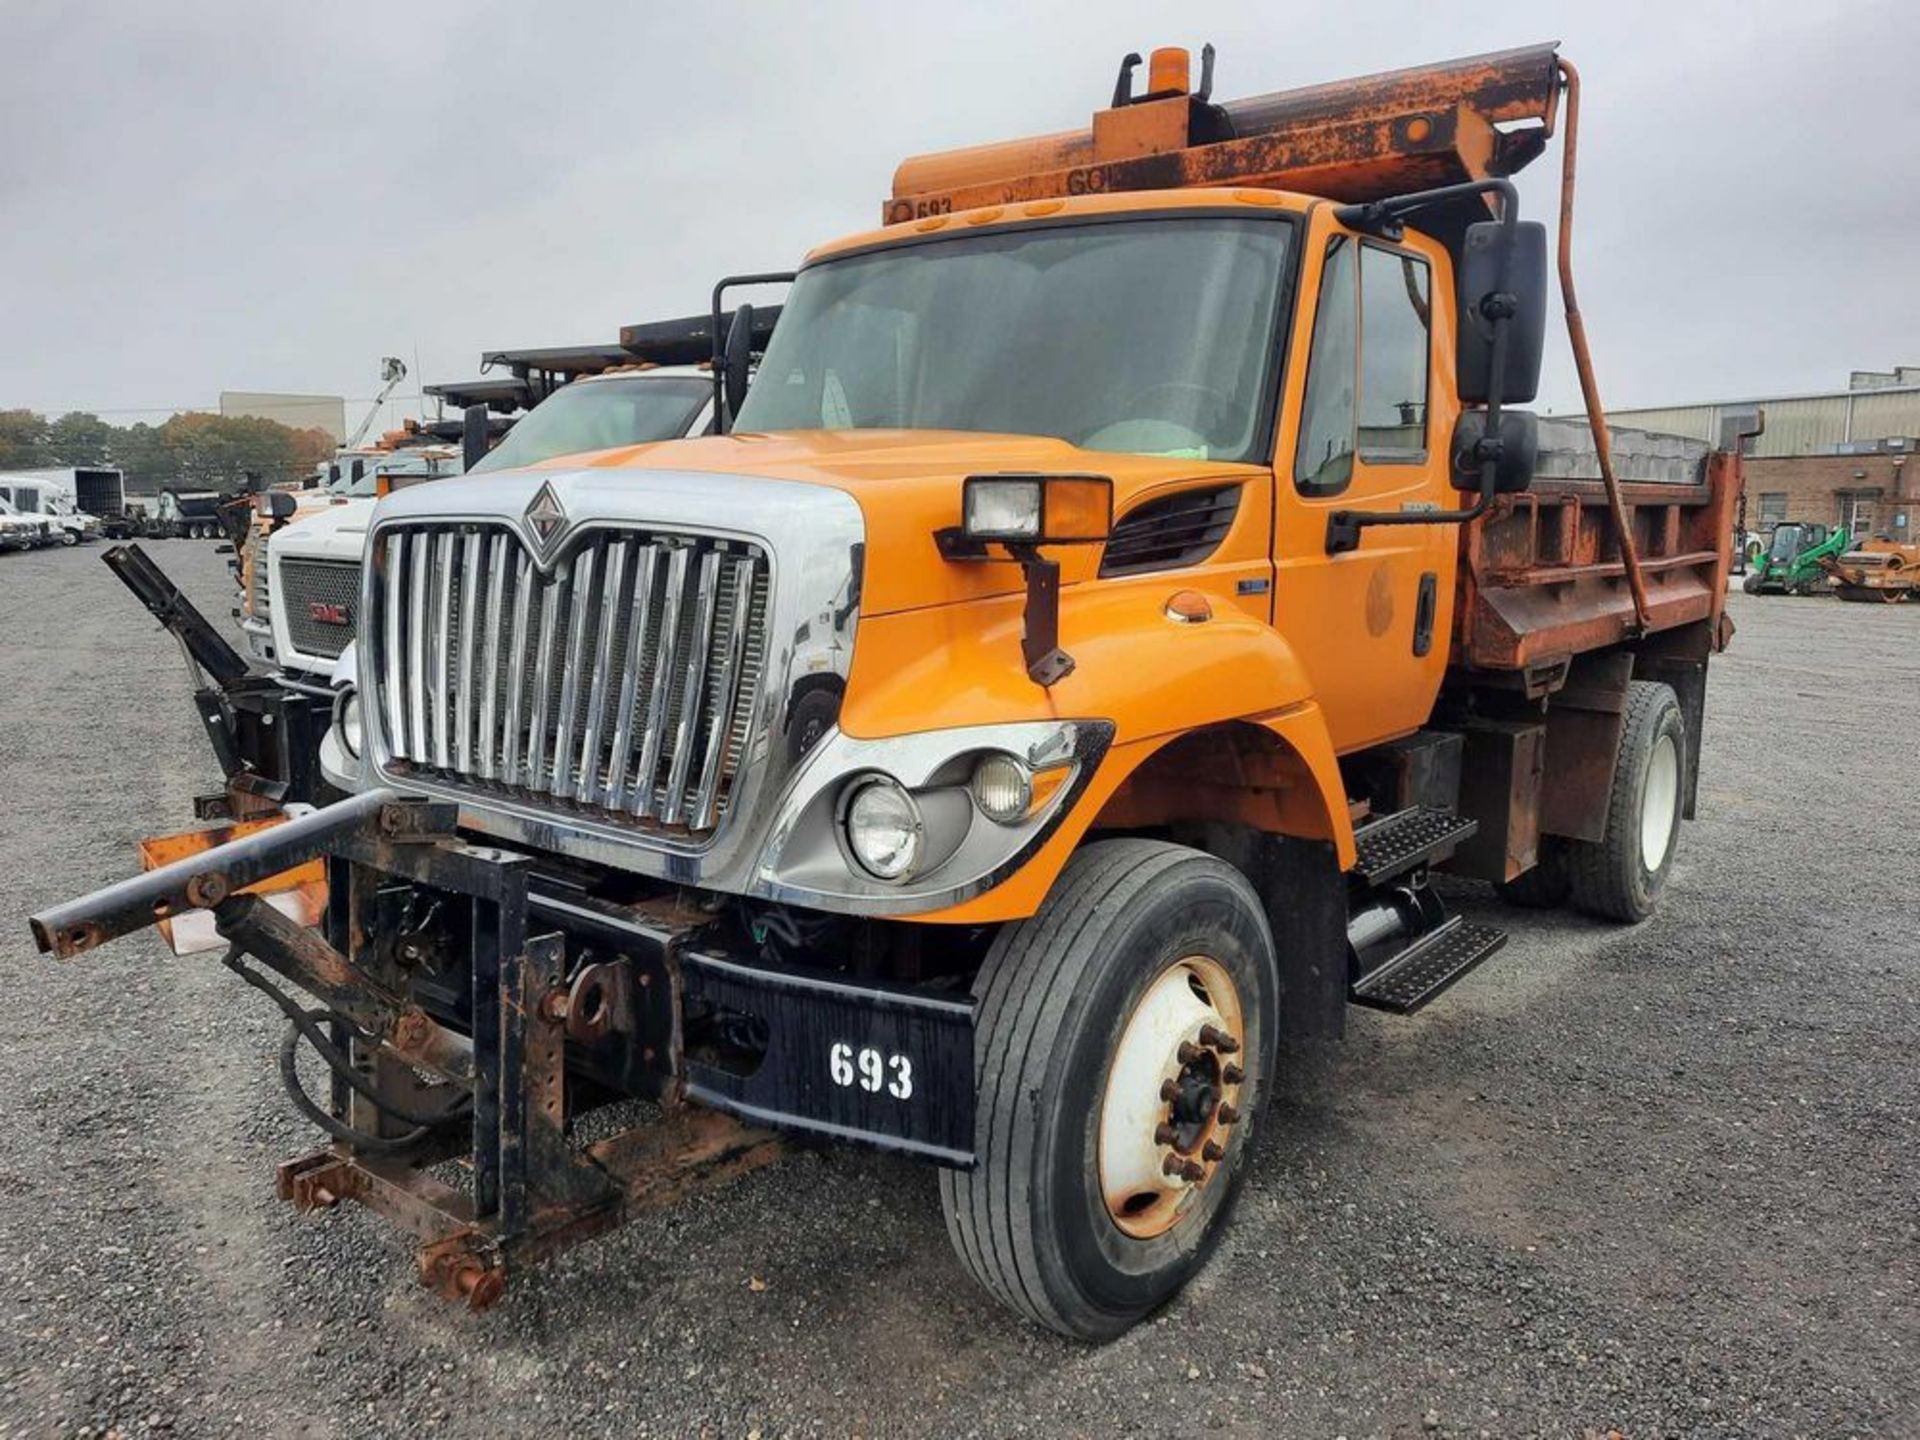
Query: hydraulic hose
point(304, 1024)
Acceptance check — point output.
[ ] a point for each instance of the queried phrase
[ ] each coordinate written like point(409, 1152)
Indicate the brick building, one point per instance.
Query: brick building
point(1877, 493)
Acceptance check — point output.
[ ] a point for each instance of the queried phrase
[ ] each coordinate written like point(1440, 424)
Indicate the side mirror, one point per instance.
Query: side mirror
point(1516, 453)
point(274, 504)
point(473, 436)
point(1478, 280)
point(739, 355)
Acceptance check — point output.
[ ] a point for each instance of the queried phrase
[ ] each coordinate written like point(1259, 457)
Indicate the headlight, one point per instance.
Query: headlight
point(884, 829)
point(1002, 787)
point(346, 714)
point(1002, 509)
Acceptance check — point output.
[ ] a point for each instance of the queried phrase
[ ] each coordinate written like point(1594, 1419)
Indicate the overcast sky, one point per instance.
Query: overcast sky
point(199, 196)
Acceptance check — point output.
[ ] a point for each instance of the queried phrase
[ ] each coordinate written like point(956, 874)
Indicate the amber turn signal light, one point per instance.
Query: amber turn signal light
point(1036, 509)
point(1189, 607)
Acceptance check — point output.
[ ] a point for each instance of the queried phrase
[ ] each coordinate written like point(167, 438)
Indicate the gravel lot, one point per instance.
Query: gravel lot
point(1660, 1181)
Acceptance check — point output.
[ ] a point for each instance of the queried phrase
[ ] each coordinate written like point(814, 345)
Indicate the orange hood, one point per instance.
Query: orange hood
point(907, 484)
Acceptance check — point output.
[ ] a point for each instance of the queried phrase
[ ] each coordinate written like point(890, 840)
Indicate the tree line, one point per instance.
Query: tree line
point(192, 450)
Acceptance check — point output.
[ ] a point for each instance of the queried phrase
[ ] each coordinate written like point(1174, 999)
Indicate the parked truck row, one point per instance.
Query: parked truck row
point(1051, 688)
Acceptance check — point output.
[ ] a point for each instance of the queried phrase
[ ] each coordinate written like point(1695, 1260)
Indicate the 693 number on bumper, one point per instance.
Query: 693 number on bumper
point(881, 1065)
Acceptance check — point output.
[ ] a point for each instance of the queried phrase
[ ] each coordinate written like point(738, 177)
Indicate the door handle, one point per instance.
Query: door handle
point(1424, 610)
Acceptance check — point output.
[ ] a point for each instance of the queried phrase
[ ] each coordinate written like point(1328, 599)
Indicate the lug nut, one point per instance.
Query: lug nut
point(1163, 1134)
point(1212, 1152)
point(1227, 1115)
point(1219, 1039)
point(1169, 1090)
point(1188, 1052)
point(1172, 1165)
point(1193, 1172)
point(1232, 1074)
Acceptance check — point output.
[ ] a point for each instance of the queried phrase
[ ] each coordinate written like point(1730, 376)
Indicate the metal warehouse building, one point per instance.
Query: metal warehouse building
point(1843, 457)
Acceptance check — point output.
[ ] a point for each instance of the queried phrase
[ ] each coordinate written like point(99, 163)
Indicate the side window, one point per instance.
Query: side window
point(1323, 460)
point(1394, 312)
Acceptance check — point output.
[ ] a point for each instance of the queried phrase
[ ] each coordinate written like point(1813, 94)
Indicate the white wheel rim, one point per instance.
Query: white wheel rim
point(1171, 1095)
point(1658, 803)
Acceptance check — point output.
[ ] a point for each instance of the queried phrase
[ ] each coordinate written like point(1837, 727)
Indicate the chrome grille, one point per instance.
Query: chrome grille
point(259, 593)
point(622, 682)
point(322, 599)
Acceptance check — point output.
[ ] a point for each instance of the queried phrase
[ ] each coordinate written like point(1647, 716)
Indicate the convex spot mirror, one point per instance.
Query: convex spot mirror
point(1519, 448)
point(1526, 282)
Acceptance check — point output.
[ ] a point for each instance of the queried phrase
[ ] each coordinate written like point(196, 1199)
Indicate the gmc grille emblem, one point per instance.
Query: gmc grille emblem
point(324, 614)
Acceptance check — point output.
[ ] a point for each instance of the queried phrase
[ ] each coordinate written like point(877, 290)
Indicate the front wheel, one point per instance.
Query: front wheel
point(1621, 875)
point(1124, 1044)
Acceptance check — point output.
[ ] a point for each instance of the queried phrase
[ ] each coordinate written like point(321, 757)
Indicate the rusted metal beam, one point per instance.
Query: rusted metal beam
point(1360, 139)
point(468, 1257)
point(302, 956)
point(201, 881)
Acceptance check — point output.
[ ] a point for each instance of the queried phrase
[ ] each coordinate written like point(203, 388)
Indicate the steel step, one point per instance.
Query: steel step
point(1426, 967)
point(1396, 843)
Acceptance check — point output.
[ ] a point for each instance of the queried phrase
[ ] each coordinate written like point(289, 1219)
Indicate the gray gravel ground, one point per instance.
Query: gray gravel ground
point(1660, 1181)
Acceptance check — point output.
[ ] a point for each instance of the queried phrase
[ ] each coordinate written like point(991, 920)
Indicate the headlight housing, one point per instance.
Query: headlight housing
point(884, 829)
point(893, 826)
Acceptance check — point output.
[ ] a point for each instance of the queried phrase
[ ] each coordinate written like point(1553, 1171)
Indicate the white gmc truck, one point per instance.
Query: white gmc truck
point(313, 565)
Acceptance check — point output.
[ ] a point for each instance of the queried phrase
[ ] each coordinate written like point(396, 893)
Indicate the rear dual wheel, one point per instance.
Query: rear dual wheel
point(1125, 1038)
point(1621, 876)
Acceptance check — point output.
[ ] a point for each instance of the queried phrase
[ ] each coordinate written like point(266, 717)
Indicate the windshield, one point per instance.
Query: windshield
point(1146, 337)
point(1786, 542)
point(600, 415)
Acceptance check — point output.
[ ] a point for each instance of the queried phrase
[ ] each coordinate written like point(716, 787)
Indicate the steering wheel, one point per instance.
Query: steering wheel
point(1204, 405)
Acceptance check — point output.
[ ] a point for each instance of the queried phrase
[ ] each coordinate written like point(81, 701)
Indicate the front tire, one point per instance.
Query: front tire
point(1621, 876)
point(1123, 1049)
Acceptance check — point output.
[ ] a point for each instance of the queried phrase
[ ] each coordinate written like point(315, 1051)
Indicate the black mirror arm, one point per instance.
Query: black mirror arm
point(1384, 217)
point(721, 420)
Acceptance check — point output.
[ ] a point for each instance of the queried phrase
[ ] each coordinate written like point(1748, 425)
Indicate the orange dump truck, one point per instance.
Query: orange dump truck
point(1128, 581)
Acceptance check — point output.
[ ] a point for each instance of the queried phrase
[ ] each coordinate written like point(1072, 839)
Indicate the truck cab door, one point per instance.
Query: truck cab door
point(1368, 413)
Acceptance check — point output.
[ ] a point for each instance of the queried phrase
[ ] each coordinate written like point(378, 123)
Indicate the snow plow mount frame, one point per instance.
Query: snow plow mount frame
point(517, 1188)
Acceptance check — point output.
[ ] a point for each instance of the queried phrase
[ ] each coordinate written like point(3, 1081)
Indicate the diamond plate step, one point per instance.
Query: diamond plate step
point(1396, 843)
point(1428, 966)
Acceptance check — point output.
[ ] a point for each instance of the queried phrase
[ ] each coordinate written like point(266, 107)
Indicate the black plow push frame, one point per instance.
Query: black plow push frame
point(533, 1192)
point(530, 1190)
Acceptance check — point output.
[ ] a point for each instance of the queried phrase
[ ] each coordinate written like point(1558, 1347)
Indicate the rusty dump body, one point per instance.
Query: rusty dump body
point(844, 773)
point(1542, 578)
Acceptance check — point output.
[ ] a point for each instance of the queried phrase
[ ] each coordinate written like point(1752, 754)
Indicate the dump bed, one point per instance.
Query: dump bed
point(1542, 577)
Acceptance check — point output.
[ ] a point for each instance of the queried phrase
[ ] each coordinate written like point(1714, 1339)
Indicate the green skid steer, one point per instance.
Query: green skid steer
point(1790, 565)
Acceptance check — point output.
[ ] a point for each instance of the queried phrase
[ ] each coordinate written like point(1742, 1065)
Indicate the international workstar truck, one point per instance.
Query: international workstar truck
point(1126, 583)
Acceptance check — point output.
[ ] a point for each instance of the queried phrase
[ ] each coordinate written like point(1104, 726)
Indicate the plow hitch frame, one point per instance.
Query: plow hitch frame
point(524, 1188)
